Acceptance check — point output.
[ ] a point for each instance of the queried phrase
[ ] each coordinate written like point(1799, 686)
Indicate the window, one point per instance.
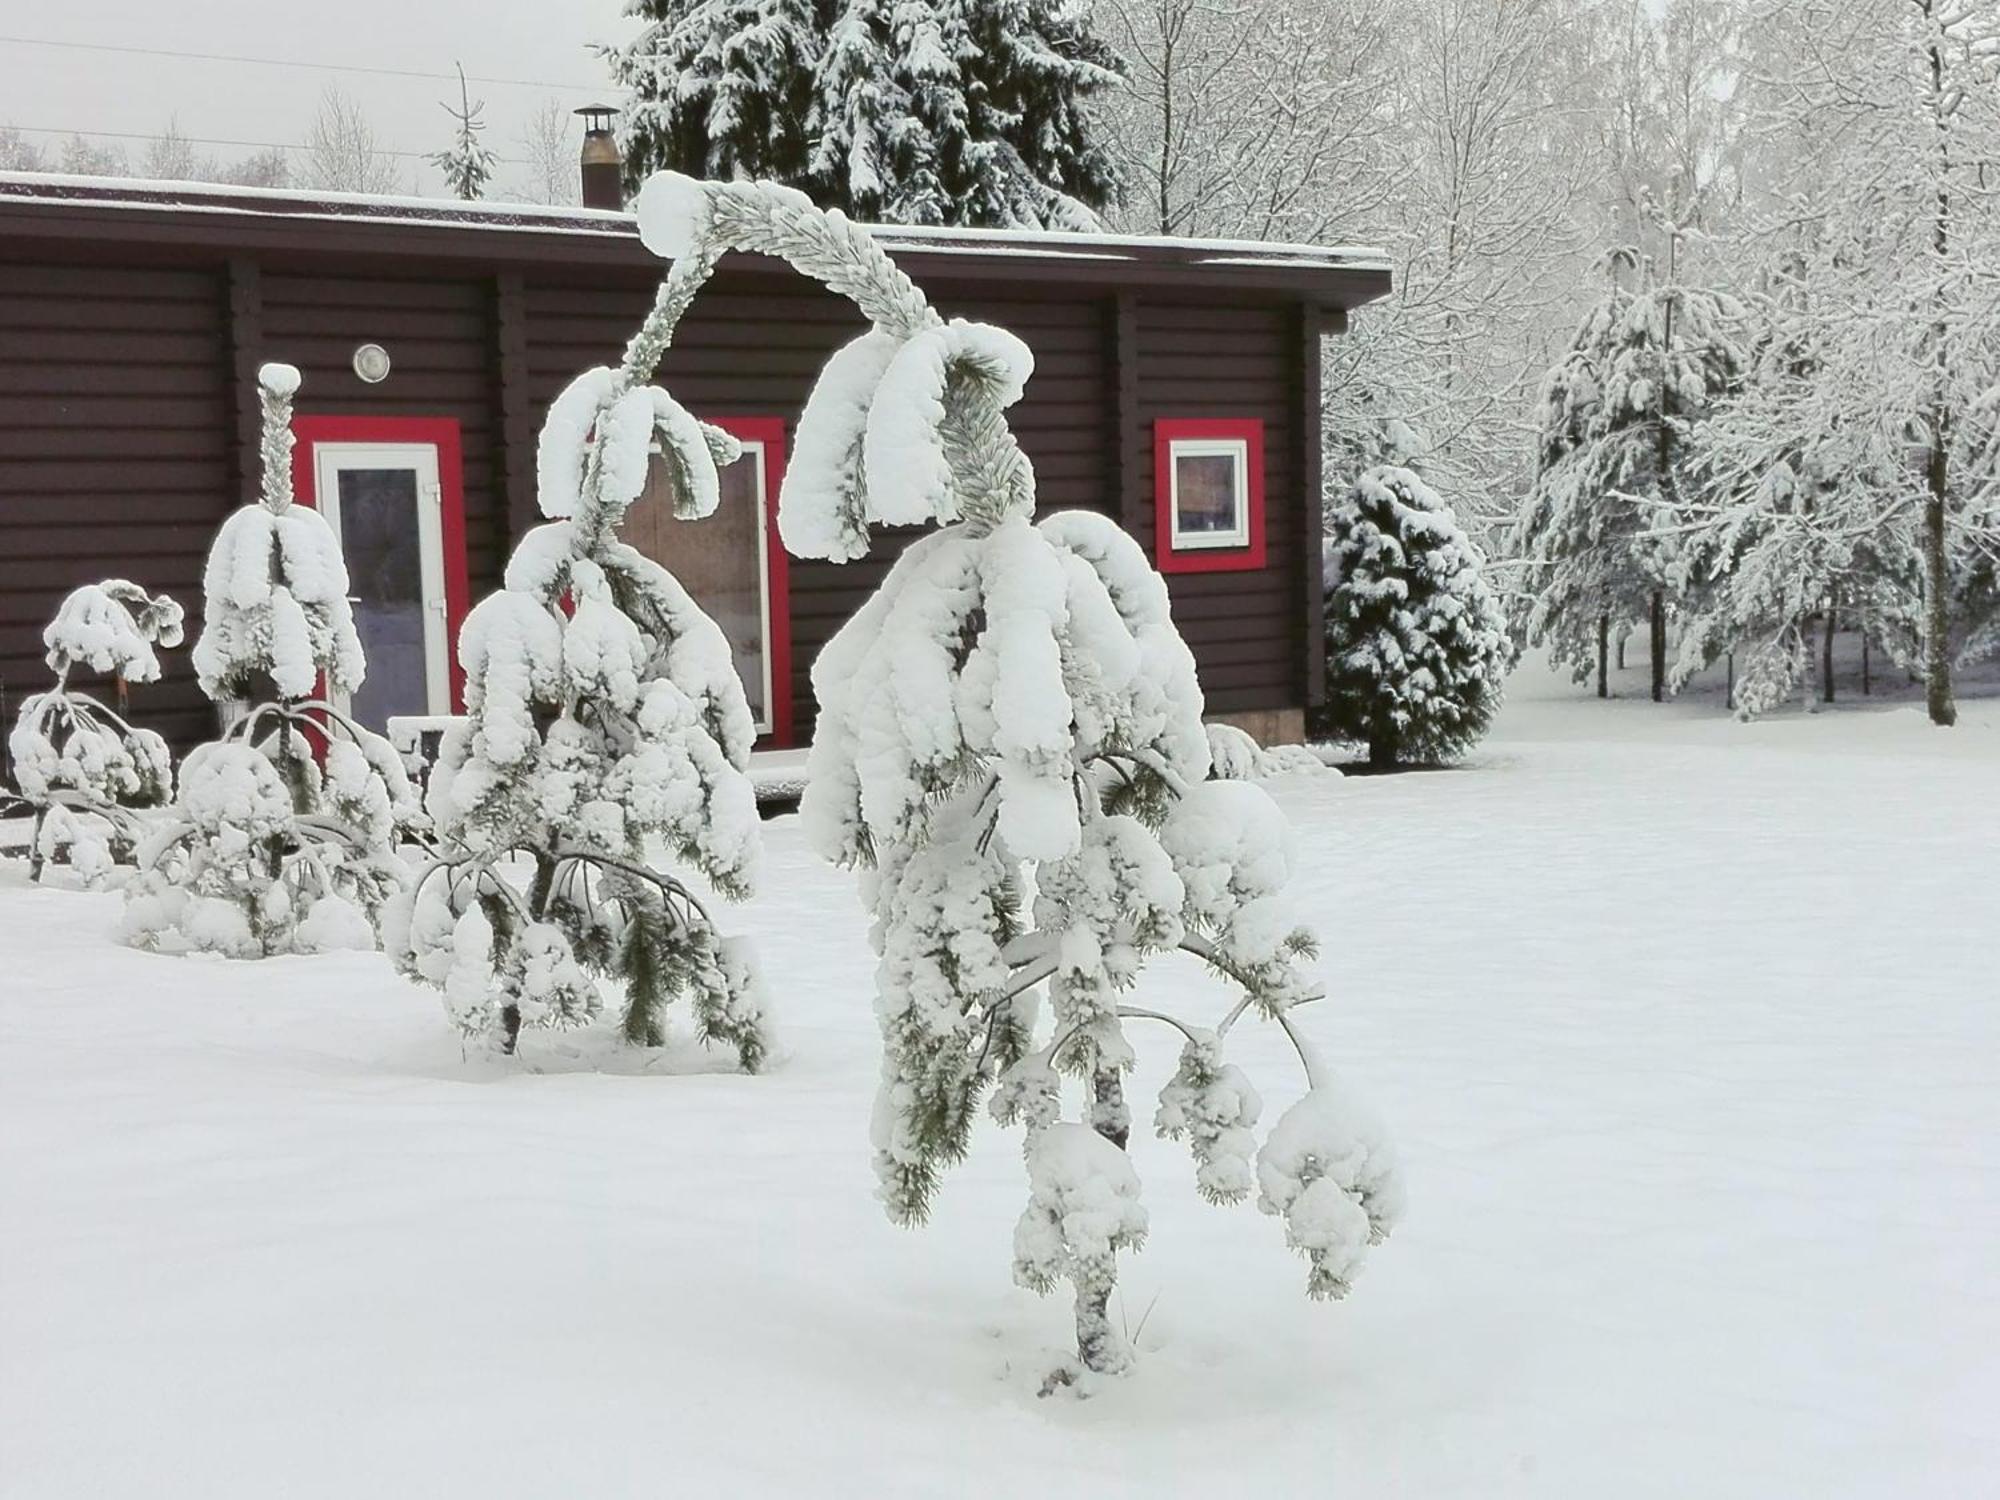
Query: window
point(390, 489)
point(732, 563)
point(1209, 490)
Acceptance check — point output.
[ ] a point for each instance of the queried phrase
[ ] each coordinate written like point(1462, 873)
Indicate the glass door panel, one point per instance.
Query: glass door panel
point(381, 501)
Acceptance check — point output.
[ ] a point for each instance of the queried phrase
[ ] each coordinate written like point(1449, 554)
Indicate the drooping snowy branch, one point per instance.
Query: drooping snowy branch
point(282, 837)
point(604, 720)
point(77, 763)
point(1011, 712)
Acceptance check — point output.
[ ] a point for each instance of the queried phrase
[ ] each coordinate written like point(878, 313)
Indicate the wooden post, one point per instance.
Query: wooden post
point(1312, 502)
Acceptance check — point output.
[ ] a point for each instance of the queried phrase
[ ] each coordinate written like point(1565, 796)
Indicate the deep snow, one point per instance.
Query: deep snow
point(1686, 1030)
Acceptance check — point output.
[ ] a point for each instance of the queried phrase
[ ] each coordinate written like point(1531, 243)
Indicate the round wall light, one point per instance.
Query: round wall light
point(371, 363)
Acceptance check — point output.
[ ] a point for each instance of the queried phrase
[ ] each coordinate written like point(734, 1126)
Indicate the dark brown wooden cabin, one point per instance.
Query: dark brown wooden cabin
point(1176, 388)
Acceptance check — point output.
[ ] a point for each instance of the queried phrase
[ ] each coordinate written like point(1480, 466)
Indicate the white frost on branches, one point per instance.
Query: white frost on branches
point(1011, 713)
point(283, 833)
point(85, 771)
point(605, 720)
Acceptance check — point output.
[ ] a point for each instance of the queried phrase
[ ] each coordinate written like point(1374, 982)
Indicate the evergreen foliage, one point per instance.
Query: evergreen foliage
point(1011, 713)
point(604, 718)
point(1598, 528)
point(81, 768)
point(468, 163)
point(718, 88)
point(1416, 643)
point(282, 836)
point(964, 112)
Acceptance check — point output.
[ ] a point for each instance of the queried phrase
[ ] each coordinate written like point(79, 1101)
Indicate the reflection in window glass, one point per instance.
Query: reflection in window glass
point(1208, 496)
point(380, 543)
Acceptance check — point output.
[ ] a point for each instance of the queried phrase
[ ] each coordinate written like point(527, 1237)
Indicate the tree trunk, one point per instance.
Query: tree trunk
point(1659, 643)
point(1623, 637)
point(510, 1029)
point(1729, 691)
point(1937, 580)
point(35, 858)
point(1381, 752)
point(1937, 612)
point(1603, 651)
point(1864, 661)
point(1826, 658)
point(1101, 1347)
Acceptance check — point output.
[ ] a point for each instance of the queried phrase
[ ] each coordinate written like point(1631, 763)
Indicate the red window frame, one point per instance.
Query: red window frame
point(436, 432)
point(1243, 558)
point(770, 431)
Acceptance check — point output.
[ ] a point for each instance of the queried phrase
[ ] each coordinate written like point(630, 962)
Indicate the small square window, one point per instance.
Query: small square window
point(1209, 491)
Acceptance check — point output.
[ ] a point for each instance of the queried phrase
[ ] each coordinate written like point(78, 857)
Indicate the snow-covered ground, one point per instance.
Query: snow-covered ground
point(1688, 1031)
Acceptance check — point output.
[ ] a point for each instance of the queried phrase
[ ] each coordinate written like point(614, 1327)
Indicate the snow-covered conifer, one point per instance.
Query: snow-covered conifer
point(1597, 529)
point(1416, 643)
point(604, 718)
point(718, 88)
point(282, 836)
point(77, 763)
point(468, 162)
point(973, 112)
point(1010, 748)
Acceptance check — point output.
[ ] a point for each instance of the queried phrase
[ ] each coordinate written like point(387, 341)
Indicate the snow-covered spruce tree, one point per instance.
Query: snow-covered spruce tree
point(468, 163)
point(1596, 531)
point(1010, 749)
point(282, 835)
point(718, 88)
point(83, 770)
point(604, 714)
point(1416, 643)
point(971, 112)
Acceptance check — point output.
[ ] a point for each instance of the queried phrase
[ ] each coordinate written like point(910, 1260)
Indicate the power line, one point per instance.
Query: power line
point(211, 140)
point(281, 62)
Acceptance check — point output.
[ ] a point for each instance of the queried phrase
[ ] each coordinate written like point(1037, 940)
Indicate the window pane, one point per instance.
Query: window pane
point(718, 560)
point(381, 545)
point(1205, 497)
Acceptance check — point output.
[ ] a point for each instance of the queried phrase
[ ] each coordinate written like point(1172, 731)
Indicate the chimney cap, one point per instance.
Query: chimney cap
point(597, 117)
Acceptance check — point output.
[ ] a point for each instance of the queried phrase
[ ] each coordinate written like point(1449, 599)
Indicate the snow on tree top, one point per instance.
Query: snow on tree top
point(279, 379)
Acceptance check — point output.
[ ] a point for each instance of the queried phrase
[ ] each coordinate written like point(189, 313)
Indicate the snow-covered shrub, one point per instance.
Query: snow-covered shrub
point(1010, 748)
point(282, 835)
point(78, 765)
point(1416, 643)
point(604, 717)
point(1235, 755)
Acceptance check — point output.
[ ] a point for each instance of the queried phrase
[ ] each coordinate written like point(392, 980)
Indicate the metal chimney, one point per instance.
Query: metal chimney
point(603, 168)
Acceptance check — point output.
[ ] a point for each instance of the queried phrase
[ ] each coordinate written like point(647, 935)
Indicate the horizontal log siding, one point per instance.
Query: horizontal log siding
point(114, 455)
point(1247, 629)
point(753, 347)
point(442, 348)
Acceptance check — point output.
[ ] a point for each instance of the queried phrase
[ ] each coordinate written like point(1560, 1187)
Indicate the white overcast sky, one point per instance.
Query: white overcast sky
point(64, 89)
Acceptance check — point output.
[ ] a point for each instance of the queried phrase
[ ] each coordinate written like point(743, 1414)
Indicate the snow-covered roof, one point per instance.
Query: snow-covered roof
point(212, 199)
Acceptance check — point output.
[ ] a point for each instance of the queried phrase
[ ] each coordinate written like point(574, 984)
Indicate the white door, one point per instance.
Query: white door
point(384, 505)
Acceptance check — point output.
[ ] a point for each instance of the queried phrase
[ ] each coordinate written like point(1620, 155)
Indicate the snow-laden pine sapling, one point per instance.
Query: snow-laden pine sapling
point(1417, 646)
point(87, 775)
point(605, 722)
point(284, 831)
point(1010, 749)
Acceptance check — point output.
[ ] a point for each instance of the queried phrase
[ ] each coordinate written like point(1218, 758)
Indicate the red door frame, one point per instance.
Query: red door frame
point(440, 433)
point(770, 431)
